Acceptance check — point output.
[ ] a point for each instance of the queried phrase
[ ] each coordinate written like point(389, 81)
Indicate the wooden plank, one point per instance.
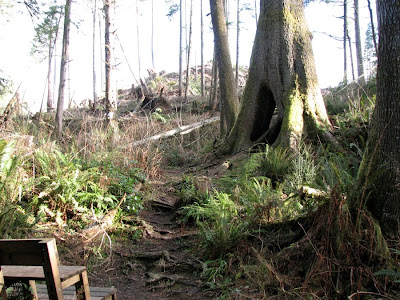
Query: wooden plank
point(32, 284)
point(34, 272)
point(96, 293)
point(50, 268)
point(3, 293)
point(20, 252)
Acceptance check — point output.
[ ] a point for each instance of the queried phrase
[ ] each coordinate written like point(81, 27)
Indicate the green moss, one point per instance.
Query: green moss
point(292, 125)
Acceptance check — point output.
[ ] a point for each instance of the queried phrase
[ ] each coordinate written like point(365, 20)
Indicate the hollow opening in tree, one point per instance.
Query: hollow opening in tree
point(265, 107)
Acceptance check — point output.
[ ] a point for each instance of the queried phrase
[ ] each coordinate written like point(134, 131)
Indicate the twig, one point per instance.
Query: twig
point(368, 293)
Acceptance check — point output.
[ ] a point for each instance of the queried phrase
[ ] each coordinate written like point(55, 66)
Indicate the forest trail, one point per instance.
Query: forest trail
point(160, 264)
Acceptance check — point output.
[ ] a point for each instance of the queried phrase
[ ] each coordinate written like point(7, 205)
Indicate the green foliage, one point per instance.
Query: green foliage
point(64, 190)
point(220, 225)
point(123, 182)
point(273, 163)
point(158, 115)
point(46, 32)
point(303, 170)
point(13, 184)
point(338, 172)
point(173, 9)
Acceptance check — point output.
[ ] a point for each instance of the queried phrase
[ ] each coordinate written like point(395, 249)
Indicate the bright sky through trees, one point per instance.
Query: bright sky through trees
point(16, 35)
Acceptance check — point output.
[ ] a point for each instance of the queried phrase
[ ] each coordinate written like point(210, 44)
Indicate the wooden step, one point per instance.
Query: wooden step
point(96, 293)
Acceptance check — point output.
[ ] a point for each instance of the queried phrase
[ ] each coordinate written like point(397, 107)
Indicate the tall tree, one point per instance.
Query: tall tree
point(152, 34)
point(359, 54)
point(202, 48)
point(180, 47)
point(379, 174)
point(94, 54)
point(111, 91)
point(229, 103)
point(237, 43)
point(63, 68)
point(46, 34)
point(138, 39)
point(371, 17)
point(282, 78)
point(189, 46)
point(345, 33)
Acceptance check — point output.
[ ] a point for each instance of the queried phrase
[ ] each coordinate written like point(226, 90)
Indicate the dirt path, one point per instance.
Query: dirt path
point(160, 265)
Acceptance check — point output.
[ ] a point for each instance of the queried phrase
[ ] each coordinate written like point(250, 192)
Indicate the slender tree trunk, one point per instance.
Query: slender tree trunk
point(282, 101)
point(379, 173)
point(351, 57)
point(152, 33)
point(94, 55)
point(202, 49)
point(345, 41)
point(101, 53)
point(229, 100)
point(50, 106)
point(237, 43)
point(180, 48)
point(63, 69)
point(188, 51)
point(256, 11)
point(111, 91)
point(360, 66)
point(371, 16)
point(138, 39)
point(214, 81)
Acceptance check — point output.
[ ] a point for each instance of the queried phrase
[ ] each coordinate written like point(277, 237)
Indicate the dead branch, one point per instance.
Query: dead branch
point(182, 130)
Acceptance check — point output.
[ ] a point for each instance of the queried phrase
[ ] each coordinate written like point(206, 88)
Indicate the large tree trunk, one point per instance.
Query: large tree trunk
point(111, 90)
point(282, 100)
point(379, 174)
point(229, 100)
point(63, 69)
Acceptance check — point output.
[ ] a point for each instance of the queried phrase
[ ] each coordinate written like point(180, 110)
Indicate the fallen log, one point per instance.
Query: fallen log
point(182, 130)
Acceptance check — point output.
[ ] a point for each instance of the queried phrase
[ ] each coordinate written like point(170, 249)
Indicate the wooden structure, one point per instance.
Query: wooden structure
point(32, 260)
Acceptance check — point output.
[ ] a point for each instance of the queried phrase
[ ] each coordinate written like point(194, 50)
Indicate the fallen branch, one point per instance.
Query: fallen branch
point(182, 130)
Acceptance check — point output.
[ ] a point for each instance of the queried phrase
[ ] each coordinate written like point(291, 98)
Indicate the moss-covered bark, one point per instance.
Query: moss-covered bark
point(282, 101)
point(379, 173)
point(229, 98)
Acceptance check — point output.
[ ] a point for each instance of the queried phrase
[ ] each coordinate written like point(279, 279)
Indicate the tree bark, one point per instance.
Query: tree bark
point(189, 46)
point(152, 33)
point(360, 66)
point(138, 39)
point(351, 57)
point(345, 41)
point(94, 55)
point(379, 174)
point(372, 26)
point(229, 101)
point(282, 101)
point(63, 69)
point(180, 48)
point(50, 105)
point(237, 44)
point(202, 49)
point(111, 91)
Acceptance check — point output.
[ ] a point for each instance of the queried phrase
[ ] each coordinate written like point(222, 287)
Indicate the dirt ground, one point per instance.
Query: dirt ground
point(161, 264)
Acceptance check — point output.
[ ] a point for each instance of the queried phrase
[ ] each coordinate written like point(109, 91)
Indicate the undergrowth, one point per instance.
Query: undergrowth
point(279, 226)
